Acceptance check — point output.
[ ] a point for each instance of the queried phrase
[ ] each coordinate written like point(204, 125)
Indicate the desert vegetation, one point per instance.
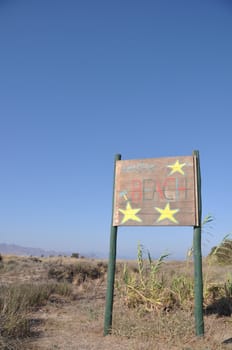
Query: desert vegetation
point(58, 303)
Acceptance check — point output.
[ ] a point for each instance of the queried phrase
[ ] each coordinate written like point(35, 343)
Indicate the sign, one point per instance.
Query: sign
point(162, 191)
point(159, 191)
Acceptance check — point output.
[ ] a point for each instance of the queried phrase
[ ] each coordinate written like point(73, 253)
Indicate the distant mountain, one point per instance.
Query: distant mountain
point(15, 249)
point(27, 251)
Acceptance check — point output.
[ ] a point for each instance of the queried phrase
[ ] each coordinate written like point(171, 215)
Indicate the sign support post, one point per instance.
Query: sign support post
point(198, 279)
point(111, 267)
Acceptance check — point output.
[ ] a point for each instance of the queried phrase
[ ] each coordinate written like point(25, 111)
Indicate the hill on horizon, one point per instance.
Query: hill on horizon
point(28, 251)
point(18, 250)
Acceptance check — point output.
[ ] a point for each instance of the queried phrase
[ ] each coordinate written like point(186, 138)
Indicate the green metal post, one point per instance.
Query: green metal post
point(198, 279)
point(111, 267)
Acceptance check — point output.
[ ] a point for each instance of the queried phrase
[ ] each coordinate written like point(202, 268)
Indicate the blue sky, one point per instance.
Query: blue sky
point(83, 80)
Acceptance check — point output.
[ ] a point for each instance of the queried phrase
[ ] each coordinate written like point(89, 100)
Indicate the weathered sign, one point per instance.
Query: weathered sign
point(150, 192)
point(158, 191)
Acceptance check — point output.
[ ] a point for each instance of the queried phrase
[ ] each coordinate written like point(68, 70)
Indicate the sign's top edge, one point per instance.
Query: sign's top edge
point(162, 158)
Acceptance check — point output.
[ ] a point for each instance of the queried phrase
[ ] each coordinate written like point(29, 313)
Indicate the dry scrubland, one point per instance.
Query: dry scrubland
point(58, 303)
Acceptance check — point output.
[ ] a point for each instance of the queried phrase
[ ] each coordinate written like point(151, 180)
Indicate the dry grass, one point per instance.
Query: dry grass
point(58, 303)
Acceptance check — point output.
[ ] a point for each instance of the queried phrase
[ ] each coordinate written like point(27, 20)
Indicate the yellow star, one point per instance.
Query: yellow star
point(130, 214)
point(167, 213)
point(177, 168)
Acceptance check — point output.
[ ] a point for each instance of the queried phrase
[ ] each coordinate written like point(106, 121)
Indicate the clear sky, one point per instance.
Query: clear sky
point(83, 80)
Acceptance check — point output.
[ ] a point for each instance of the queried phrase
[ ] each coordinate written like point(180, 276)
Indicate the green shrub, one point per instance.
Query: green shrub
point(80, 272)
point(222, 254)
point(75, 255)
point(146, 288)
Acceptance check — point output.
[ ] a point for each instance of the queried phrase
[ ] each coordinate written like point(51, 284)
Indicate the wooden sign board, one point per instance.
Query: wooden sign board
point(150, 192)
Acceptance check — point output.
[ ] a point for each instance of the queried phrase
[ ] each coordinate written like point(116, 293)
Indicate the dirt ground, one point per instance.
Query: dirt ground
point(79, 326)
point(76, 323)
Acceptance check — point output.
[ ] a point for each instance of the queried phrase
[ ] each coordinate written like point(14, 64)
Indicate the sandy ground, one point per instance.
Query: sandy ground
point(76, 323)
